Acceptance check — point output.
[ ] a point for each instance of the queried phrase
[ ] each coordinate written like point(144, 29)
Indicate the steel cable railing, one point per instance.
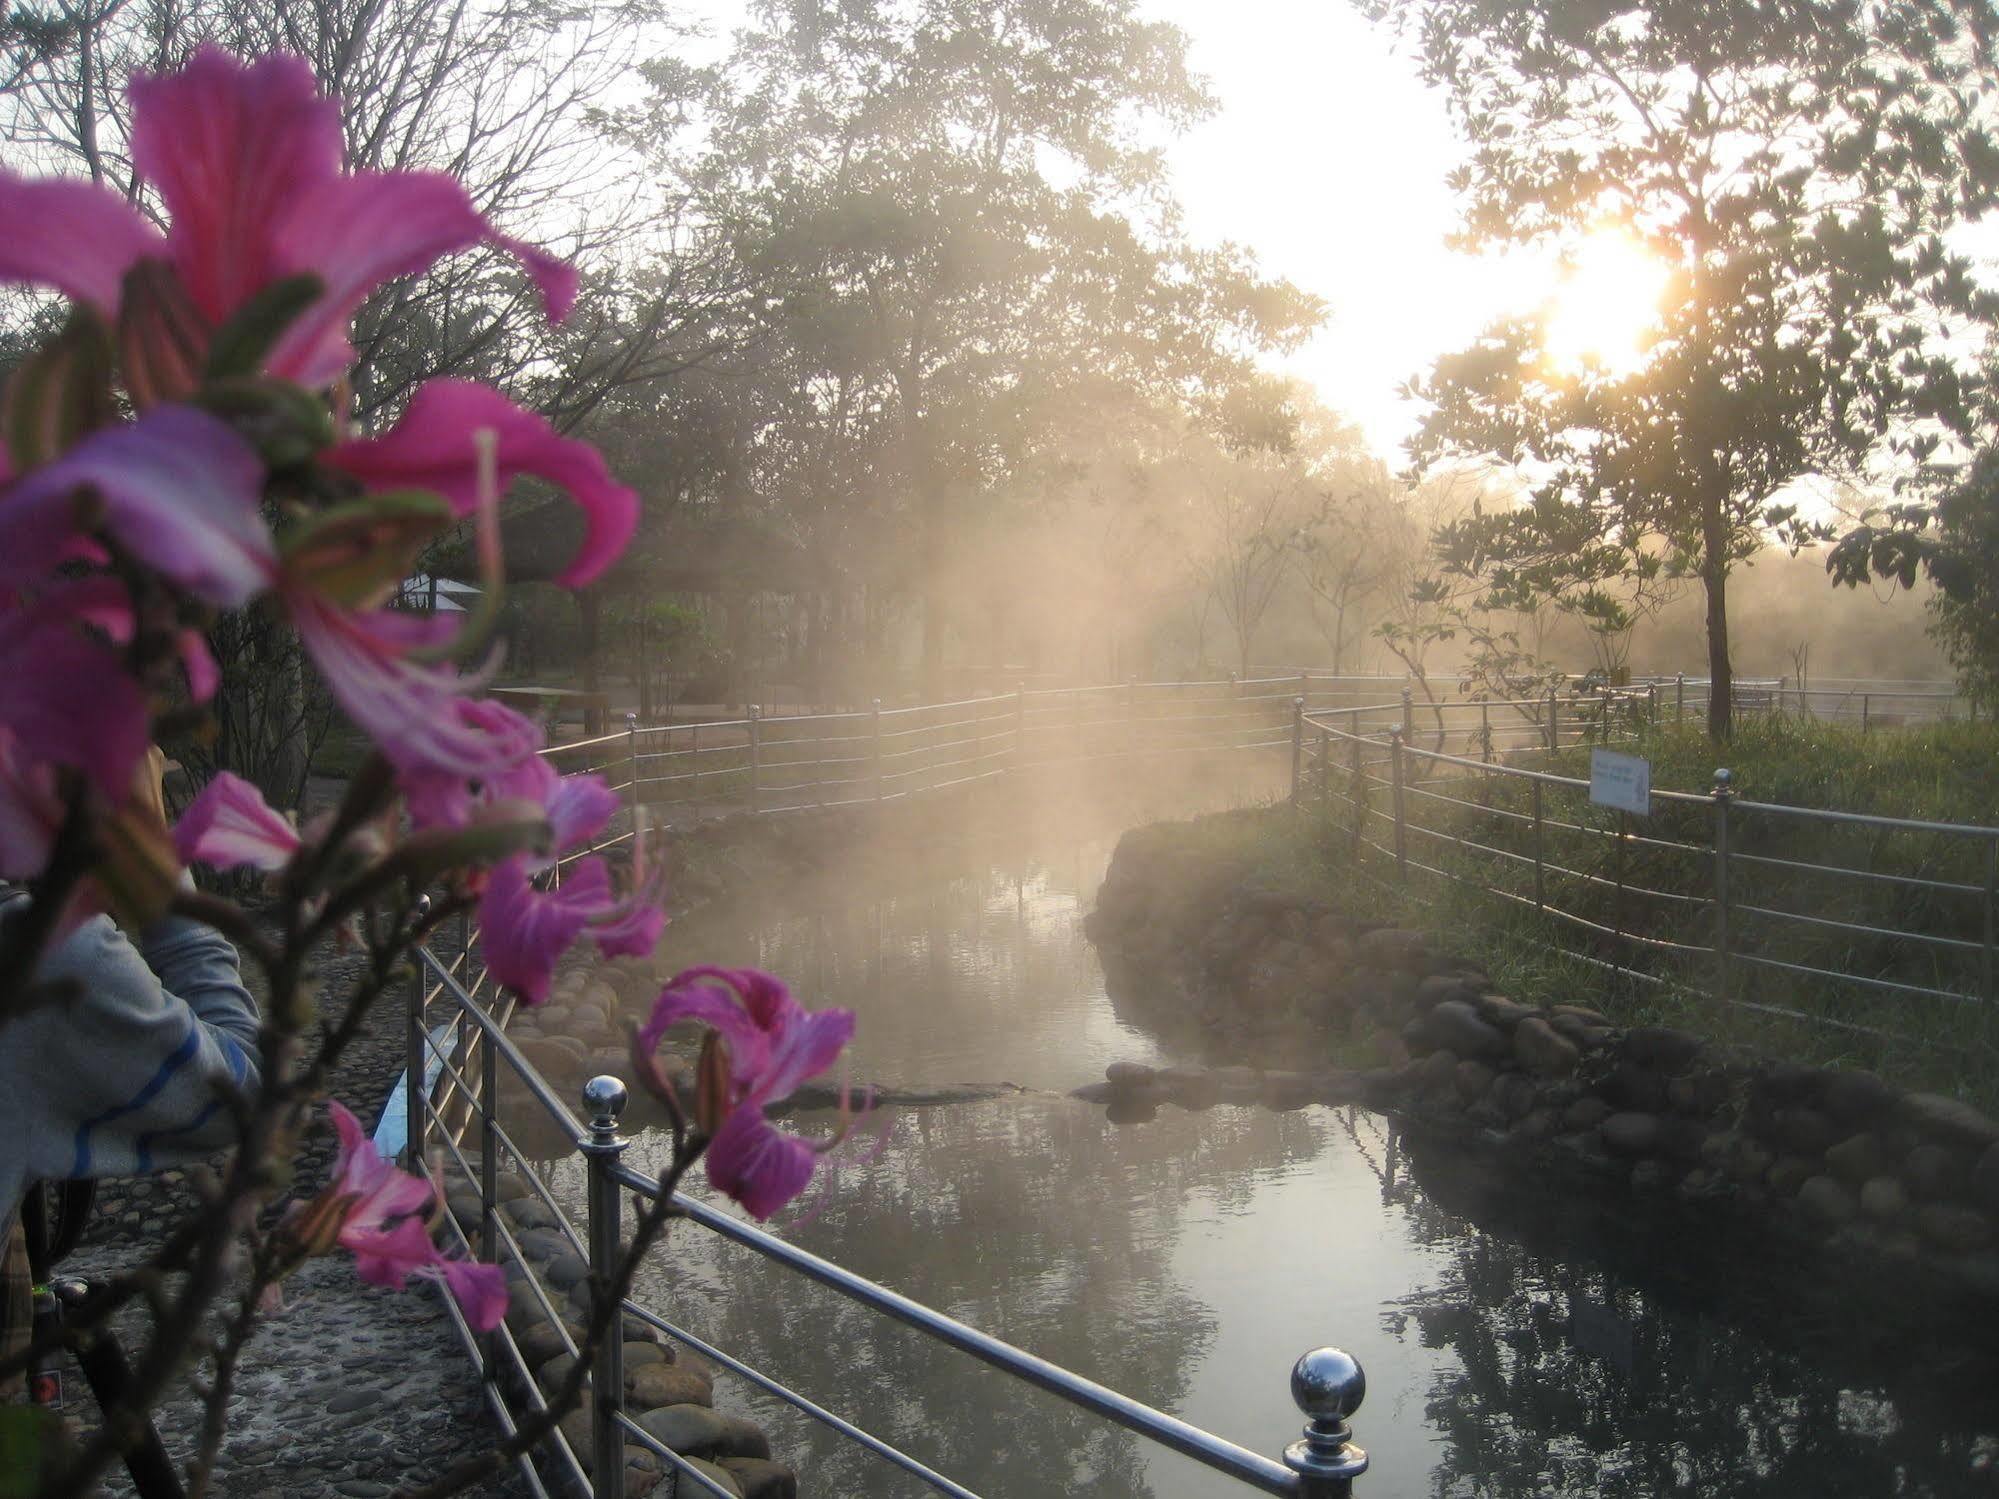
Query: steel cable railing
point(1806, 919)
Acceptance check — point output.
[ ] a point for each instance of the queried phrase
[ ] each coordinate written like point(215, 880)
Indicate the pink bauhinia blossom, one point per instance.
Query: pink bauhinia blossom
point(178, 490)
point(771, 1044)
point(524, 931)
point(247, 159)
point(432, 448)
point(230, 825)
point(376, 1213)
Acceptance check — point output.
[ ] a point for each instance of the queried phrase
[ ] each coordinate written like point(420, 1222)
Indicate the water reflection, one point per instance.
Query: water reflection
point(1512, 1348)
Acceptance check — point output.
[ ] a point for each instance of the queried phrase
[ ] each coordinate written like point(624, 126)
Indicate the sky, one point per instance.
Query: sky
point(1328, 158)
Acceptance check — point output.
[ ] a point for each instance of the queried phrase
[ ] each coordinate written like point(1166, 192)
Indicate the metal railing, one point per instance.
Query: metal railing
point(1710, 889)
point(466, 1100)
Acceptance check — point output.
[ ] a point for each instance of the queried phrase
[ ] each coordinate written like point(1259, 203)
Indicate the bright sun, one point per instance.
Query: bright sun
point(1604, 305)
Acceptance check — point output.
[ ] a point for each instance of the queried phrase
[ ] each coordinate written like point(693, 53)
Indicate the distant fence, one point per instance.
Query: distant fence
point(1711, 889)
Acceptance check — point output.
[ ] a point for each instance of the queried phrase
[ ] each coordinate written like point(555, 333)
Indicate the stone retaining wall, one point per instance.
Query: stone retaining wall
point(1902, 1179)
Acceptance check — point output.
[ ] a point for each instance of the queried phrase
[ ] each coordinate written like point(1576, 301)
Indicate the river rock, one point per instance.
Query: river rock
point(1853, 1096)
point(744, 1438)
point(1514, 1095)
point(1662, 1046)
point(1190, 1087)
point(1473, 1078)
point(1455, 1026)
point(1439, 987)
point(652, 1386)
point(1858, 1158)
point(1438, 1072)
point(1985, 1180)
point(1540, 1049)
point(567, 1270)
point(759, 1478)
point(529, 1212)
point(720, 1474)
point(1129, 1076)
point(1637, 1088)
point(1699, 1093)
point(1285, 1091)
point(1787, 1174)
point(1883, 1199)
point(1828, 1200)
point(1586, 1112)
point(1392, 947)
point(1631, 1133)
point(1803, 1131)
point(540, 1342)
point(1238, 1084)
point(690, 1430)
point(1950, 1226)
point(1949, 1121)
point(1933, 1171)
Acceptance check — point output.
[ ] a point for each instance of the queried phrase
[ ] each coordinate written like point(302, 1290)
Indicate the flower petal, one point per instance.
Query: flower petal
point(179, 489)
point(67, 698)
point(688, 996)
point(233, 147)
point(525, 931)
point(479, 1290)
point(757, 1164)
point(416, 714)
point(388, 1257)
point(359, 231)
point(75, 236)
point(431, 448)
point(229, 825)
point(805, 1048)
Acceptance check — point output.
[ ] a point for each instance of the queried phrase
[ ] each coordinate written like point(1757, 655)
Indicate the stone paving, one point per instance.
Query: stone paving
point(349, 1390)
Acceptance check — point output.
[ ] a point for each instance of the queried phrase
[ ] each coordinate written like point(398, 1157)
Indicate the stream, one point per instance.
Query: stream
point(1512, 1346)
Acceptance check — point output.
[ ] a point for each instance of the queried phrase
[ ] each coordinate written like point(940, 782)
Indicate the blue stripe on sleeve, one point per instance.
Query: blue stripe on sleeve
point(177, 1059)
point(239, 1068)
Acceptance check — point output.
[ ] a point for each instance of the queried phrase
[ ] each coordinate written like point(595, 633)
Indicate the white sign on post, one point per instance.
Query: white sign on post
point(1620, 781)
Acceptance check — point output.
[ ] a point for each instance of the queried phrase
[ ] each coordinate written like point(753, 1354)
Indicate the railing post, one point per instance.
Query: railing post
point(1401, 820)
point(1305, 687)
point(1359, 786)
point(1724, 793)
point(756, 754)
point(1651, 705)
point(1130, 715)
point(1408, 714)
point(1297, 743)
point(1328, 1385)
point(694, 759)
point(1325, 771)
point(416, 1104)
point(1540, 864)
point(1866, 704)
point(604, 1100)
point(1554, 718)
point(1484, 732)
point(875, 718)
point(1987, 975)
point(1679, 697)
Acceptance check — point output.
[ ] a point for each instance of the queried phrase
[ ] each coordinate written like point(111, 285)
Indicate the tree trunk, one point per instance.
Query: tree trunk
point(1721, 678)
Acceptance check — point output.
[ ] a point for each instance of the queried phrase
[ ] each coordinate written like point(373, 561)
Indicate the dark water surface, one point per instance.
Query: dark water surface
point(1512, 1346)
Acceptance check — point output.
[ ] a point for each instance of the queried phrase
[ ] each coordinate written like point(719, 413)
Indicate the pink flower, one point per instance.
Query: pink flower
point(375, 1211)
point(431, 448)
point(772, 1045)
point(68, 700)
point(247, 159)
point(524, 931)
point(415, 712)
point(230, 825)
point(177, 489)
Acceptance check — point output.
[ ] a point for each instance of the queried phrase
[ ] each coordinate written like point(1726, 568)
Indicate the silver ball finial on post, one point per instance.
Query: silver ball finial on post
point(1328, 1384)
point(605, 1097)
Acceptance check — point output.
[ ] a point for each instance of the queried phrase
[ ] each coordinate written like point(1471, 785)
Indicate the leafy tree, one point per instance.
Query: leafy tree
point(1795, 168)
point(1956, 542)
point(958, 217)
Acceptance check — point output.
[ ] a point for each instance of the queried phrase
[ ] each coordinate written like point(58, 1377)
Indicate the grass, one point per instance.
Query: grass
point(1661, 894)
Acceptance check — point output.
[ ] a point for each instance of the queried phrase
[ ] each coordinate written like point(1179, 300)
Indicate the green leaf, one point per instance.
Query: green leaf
point(60, 393)
point(242, 344)
point(287, 426)
point(351, 551)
